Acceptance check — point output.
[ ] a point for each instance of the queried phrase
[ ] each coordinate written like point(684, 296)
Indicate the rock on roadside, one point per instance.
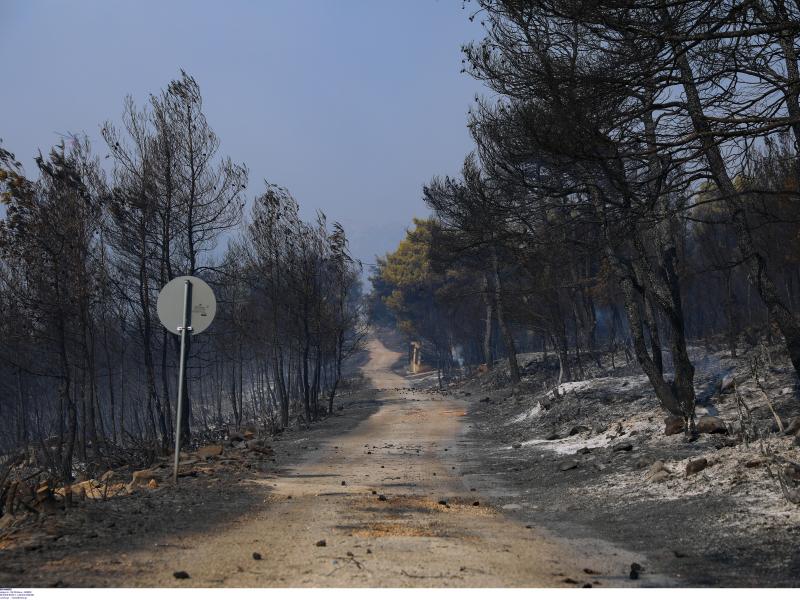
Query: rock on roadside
point(726, 383)
point(657, 472)
point(673, 425)
point(709, 424)
point(695, 466)
point(143, 478)
point(259, 446)
point(209, 451)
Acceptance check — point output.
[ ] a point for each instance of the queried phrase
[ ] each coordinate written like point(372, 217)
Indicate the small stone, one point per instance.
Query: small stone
point(321, 544)
point(141, 478)
point(209, 451)
point(636, 568)
point(259, 446)
point(443, 502)
point(695, 466)
point(578, 429)
point(656, 467)
point(754, 462)
point(709, 424)
point(673, 425)
point(180, 575)
point(622, 447)
point(584, 450)
point(516, 445)
point(725, 442)
point(344, 483)
point(726, 384)
point(256, 556)
point(659, 477)
point(568, 465)
point(476, 503)
point(382, 498)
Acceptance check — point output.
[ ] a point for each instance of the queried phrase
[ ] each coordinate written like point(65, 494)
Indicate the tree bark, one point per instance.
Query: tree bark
point(508, 338)
point(487, 328)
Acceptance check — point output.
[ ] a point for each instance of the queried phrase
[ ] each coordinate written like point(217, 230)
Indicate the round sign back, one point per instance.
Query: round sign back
point(202, 304)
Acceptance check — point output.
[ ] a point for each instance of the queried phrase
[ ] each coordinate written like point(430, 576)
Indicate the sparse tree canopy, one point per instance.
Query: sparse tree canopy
point(87, 373)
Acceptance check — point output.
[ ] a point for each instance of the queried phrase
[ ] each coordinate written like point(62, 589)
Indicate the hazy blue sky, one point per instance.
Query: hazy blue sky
point(351, 104)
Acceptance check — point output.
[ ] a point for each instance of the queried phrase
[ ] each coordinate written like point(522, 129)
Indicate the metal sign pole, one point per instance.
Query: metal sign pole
point(185, 312)
point(184, 329)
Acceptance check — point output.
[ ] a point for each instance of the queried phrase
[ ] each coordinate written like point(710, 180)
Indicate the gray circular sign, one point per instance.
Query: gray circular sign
point(202, 304)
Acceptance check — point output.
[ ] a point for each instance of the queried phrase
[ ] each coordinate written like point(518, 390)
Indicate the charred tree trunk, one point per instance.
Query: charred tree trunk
point(730, 313)
point(487, 328)
point(655, 339)
point(508, 338)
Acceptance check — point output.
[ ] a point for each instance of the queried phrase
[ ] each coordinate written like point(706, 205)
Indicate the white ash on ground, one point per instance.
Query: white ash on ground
point(737, 472)
point(602, 441)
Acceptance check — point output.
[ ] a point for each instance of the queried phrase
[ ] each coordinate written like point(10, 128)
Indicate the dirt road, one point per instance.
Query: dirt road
point(390, 504)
